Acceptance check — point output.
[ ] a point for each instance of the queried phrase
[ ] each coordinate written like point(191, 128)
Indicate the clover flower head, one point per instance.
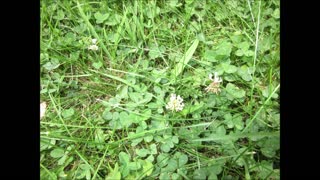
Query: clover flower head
point(94, 41)
point(43, 107)
point(175, 103)
point(215, 84)
point(216, 79)
point(93, 47)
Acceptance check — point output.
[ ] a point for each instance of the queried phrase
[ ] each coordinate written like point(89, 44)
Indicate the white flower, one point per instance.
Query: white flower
point(93, 47)
point(175, 103)
point(43, 107)
point(94, 41)
point(216, 79)
point(215, 85)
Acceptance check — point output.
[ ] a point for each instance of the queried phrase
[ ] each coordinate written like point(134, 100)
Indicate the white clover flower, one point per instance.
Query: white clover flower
point(93, 47)
point(216, 79)
point(215, 85)
point(43, 107)
point(94, 41)
point(175, 103)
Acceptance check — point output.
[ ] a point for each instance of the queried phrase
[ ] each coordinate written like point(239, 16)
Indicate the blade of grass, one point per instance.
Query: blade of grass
point(238, 135)
point(119, 32)
point(258, 112)
point(251, 13)
point(255, 52)
point(186, 58)
point(47, 171)
point(246, 169)
point(92, 30)
point(85, 161)
point(59, 114)
point(101, 161)
point(117, 78)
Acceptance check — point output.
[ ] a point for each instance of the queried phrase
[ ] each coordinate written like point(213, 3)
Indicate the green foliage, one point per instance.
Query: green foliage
point(68, 113)
point(100, 17)
point(235, 91)
point(106, 115)
point(185, 59)
point(56, 153)
point(114, 173)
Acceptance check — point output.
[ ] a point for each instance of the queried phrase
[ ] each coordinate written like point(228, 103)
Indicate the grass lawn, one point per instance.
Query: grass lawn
point(160, 89)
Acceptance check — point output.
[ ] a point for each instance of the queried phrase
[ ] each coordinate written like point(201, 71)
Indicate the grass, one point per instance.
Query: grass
point(106, 115)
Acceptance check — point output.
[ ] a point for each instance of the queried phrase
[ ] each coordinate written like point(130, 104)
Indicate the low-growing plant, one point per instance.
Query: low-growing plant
point(178, 89)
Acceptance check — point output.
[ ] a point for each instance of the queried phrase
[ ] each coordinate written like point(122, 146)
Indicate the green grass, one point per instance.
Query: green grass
point(106, 115)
